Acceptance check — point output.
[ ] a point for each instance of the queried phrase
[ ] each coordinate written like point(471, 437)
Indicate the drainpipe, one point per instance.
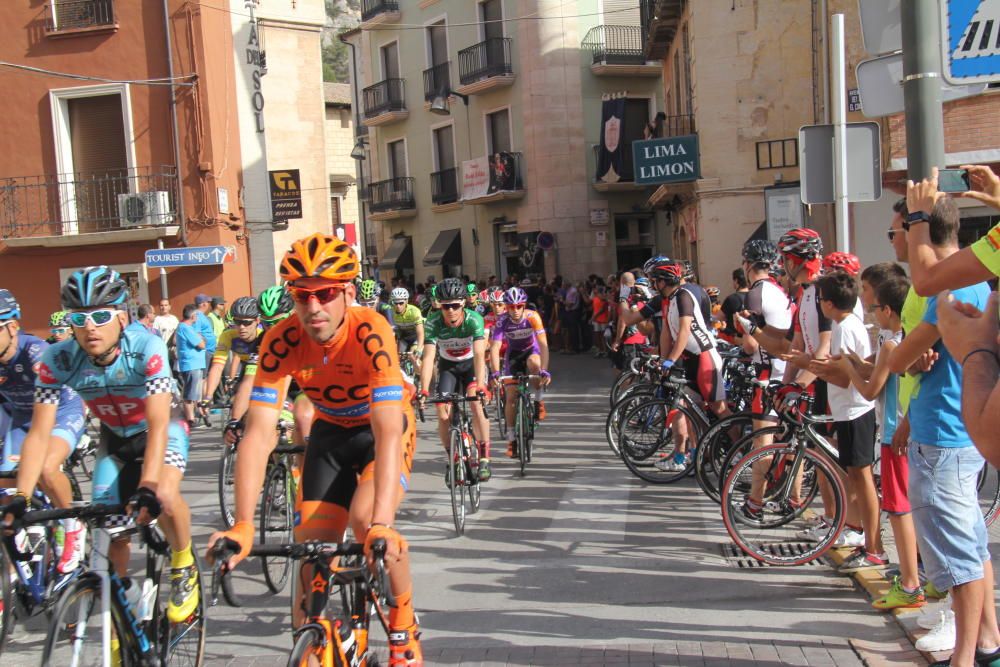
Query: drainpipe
point(825, 59)
point(173, 123)
point(358, 170)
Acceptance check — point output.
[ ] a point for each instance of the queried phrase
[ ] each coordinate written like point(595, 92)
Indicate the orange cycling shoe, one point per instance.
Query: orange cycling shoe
point(541, 410)
point(404, 648)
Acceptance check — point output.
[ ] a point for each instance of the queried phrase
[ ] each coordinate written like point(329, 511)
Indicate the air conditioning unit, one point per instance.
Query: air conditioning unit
point(143, 209)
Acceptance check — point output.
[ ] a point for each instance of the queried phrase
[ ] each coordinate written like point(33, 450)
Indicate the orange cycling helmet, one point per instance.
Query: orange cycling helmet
point(319, 256)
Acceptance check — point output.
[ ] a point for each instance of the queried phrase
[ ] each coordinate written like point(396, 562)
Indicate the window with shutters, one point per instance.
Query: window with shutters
point(619, 12)
point(491, 15)
point(397, 158)
point(498, 132)
point(390, 61)
point(437, 43)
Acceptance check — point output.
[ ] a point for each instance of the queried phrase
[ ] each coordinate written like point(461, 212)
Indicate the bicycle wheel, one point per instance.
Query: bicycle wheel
point(7, 616)
point(741, 448)
point(521, 433)
point(713, 447)
point(309, 644)
point(181, 644)
point(227, 488)
point(778, 536)
point(457, 474)
point(988, 486)
point(630, 398)
point(647, 441)
point(501, 408)
point(623, 382)
point(471, 455)
point(276, 526)
point(75, 631)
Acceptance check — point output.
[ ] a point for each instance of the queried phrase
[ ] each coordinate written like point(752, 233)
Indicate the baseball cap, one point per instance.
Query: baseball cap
point(202, 298)
point(218, 301)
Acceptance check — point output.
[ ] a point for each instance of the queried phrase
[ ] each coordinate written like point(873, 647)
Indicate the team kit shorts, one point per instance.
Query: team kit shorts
point(14, 427)
point(119, 461)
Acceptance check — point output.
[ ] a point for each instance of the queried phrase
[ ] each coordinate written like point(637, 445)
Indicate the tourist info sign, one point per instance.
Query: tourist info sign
point(195, 256)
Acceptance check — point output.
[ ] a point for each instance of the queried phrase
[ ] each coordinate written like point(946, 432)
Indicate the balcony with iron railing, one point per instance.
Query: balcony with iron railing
point(616, 50)
point(384, 103)
point(392, 198)
point(77, 209)
point(374, 12)
point(660, 21)
point(485, 66)
point(437, 81)
point(64, 18)
point(677, 126)
point(444, 186)
point(500, 179)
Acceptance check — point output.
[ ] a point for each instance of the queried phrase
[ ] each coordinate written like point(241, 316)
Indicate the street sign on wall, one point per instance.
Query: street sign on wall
point(194, 256)
point(671, 160)
point(970, 48)
point(816, 164)
point(286, 194)
point(880, 81)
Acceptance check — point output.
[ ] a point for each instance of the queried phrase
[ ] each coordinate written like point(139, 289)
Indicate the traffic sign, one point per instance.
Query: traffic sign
point(816, 164)
point(195, 256)
point(881, 25)
point(970, 47)
point(880, 81)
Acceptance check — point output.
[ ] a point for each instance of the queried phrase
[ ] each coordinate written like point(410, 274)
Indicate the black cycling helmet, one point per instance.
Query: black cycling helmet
point(667, 270)
point(656, 260)
point(451, 289)
point(93, 287)
point(760, 252)
point(244, 308)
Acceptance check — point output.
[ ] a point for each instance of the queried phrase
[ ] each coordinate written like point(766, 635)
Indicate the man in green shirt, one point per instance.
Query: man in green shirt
point(456, 338)
point(217, 316)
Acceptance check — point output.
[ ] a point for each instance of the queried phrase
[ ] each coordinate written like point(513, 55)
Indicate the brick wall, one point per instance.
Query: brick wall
point(969, 125)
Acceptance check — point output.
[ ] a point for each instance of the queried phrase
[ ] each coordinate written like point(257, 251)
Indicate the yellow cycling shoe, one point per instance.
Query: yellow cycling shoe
point(184, 593)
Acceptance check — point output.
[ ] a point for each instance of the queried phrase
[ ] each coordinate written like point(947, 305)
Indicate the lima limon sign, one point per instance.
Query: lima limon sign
point(672, 160)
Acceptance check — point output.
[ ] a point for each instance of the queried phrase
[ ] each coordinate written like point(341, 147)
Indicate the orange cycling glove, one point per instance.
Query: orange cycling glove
point(242, 533)
point(395, 544)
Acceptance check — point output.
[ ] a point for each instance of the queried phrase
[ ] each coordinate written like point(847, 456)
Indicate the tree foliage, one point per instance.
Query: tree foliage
point(340, 15)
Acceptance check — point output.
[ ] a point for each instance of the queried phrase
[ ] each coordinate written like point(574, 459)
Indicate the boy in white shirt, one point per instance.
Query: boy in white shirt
point(854, 415)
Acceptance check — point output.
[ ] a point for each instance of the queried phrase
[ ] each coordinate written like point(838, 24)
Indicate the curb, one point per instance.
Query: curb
point(875, 584)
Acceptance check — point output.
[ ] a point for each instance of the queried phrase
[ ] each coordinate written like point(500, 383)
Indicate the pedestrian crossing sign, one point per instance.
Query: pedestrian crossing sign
point(970, 41)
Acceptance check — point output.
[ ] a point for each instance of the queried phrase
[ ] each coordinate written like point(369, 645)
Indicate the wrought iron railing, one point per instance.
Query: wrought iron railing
point(491, 57)
point(615, 44)
point(676, 126)
point(383, 97)
point(372, 8)
point(437, 80)
point(77, 14)
point(66, 204)
point(391, 194)
point(444, 186)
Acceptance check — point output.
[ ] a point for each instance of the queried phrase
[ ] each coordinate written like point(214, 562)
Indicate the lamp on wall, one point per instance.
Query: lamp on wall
point(439, 104)
point(358, 152)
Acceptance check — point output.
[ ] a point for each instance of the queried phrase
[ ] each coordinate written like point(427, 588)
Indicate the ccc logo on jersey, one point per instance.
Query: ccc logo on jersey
point(279, 348)
point(373, 345)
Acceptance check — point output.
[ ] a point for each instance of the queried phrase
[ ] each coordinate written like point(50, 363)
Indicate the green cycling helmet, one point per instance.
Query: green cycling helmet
point(434, 293)
point(275, 303)
point(369, 290)
point(60, 318)
point(472, 290)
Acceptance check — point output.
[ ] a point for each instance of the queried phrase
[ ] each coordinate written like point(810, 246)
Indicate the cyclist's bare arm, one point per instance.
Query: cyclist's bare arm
point(214, 377)
point(543, 349)
point(774, 344)
point(387, 427)
point(157, 422)
point(495, 354)
point(479, 361)
point(257, 443)
point(629, 317)
point(35, 446)
point(427, 366)
point(241, 398)
point(420, 336)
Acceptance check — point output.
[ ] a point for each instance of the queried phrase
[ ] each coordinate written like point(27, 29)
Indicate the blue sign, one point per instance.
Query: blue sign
point(671, 160)
point(970, 41)
point(196, 256)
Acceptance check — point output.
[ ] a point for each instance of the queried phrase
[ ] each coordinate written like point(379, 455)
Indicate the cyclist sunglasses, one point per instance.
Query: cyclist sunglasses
point(98, 317)
point(451, 306)
point(58, 331)
point(323, 294)
point(244, 323)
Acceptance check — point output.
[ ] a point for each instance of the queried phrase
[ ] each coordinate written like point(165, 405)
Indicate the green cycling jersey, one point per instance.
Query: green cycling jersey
point(454, 343)
point(406, 322)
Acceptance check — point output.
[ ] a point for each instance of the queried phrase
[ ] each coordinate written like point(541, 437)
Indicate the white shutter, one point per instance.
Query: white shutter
point(620, 12)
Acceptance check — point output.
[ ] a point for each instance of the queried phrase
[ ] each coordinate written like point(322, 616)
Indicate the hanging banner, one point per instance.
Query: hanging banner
point(485, 176)
point(475, 178)
point(503, 173)
point(286, 194)
point(610, 159)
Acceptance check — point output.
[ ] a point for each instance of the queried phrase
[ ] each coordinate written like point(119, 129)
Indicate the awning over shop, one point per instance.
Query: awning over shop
point(399, 254)
point(446, 249)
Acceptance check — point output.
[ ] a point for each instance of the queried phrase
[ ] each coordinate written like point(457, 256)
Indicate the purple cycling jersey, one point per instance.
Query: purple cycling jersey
point(520, 336)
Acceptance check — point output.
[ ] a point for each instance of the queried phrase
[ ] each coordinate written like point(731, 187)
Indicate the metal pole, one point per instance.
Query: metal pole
point(176, 133)
point(922, 87)
point(837, 60)
point(164, 289)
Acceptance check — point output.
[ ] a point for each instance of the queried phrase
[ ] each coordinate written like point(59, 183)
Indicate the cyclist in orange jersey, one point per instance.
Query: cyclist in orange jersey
point(357, 465)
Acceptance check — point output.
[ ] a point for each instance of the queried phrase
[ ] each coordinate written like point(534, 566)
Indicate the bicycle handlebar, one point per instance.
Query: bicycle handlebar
point(84, 513)
point(453, 398)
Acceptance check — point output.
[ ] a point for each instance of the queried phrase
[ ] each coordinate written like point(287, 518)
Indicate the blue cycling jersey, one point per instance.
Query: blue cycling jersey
point(116, 394)
point(17, 379)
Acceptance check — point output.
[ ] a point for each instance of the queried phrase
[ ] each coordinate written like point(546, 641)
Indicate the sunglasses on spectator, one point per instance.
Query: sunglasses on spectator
point(892, 233)
point(451, 306)
point(98, 317)
point(875, 306)
point(245, 323)
point(323, 294)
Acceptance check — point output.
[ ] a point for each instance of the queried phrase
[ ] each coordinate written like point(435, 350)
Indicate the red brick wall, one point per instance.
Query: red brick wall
point(969, 125)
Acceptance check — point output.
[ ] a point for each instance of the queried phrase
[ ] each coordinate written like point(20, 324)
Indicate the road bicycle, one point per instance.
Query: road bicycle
point(786, 530)
point(227, 464)
point(98, 622)
point(33, 584)
point(462, 473)
point(524, 414)
point(277, 507)
point(337, 627)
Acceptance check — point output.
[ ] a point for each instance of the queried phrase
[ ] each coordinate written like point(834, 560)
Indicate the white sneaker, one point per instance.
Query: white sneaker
point(941, 637)
point(933, 615)
point(814, 533)
point(849, 538)
point(668, 464)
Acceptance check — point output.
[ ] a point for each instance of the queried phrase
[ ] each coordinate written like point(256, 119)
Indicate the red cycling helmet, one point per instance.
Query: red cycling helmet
point(668, 270)
point(802, 243)
point(842, 261)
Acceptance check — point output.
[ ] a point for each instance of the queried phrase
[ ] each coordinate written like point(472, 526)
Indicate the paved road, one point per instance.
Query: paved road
point(579, 562)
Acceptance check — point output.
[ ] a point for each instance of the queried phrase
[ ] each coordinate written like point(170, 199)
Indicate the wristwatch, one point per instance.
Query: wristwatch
point(915, 218)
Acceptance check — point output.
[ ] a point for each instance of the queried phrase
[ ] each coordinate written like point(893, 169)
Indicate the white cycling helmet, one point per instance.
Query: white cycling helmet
point(399, 294)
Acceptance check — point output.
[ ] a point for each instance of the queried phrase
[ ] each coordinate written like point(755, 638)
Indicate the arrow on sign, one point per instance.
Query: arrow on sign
point(218, 254)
